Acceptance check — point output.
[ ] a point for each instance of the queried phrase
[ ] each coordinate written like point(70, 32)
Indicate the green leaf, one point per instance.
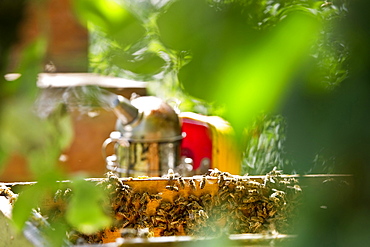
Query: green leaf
point(56, 233)
point(85, 211)
point(249, 71)
point(146, 63)
point(33, 196)
point(188, 24)
point(26, 201)
point(257, 79)
point(111, 18)
point(66, 131)
point(29, 66)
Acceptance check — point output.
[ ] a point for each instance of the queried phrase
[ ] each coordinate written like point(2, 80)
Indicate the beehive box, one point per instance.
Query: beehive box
point(172, 210)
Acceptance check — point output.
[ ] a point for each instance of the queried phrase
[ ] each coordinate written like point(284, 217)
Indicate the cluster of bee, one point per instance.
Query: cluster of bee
point(8, 193)
point(242, 205)
point(238, 205)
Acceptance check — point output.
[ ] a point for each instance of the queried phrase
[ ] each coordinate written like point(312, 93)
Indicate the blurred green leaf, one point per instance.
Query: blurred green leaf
point(34, 196)
point(24, 204)
point(56, 233)
point(253, 69)
point(39, 140)
point(122, 44)
point(65, 129)
point(141, 62)
point(106, 14)
point(264, 142)
point(20, 128)
point(29, 66)
point(255, 80)
point(187, 24)
point(85, 211)
point(111, 18)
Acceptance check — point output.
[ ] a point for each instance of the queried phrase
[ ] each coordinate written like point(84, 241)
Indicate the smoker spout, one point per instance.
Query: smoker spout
point(124, 110)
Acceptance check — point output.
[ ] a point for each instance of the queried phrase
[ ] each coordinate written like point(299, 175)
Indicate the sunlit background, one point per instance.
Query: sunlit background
point(292, 78)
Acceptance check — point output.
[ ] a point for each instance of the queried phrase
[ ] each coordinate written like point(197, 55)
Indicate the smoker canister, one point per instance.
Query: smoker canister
point(147, 138)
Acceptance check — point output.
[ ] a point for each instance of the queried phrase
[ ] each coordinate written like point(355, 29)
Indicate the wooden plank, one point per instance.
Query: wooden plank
point(60, 80)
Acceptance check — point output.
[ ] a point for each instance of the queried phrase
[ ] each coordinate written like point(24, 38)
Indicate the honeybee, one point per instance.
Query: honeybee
point(275, 171)
point(172, 188)
point(221, 180)
point(125, 188)
point(142, 209)
point(227, 174)
point(214, 172)
point(181, 182)
point(180, 200)
point(169, 233)
point(192, 184)
point(261, 212)
point(174, 223)
point(284, 182)
point(203, 182)
point(253, 184)
point(161, 225)
point(268, 180)
point(202, 214)
point(124, 215)
point(126, 197)
point(240, 216)
point(124, 223)
point(122, 208)
point(159, 218)
point(277, 196)
point(170, 175)
point(155, 197)
point(253, 192)
point(272, 213)
point(192, 198)
point(59, 194)
point(239, 187)
point(294, 181)
point(174, 213)
point(232, 202)
point(193, 204)
point(144, 198)
point(113, 178)
point(136, 198)
point(256, 226)
point(206, 199)
point(224, 206)
point(326, 4)
point(165, 206)
point(223, 194)
point(250, 199)
point(191, 214)
point(296, 188)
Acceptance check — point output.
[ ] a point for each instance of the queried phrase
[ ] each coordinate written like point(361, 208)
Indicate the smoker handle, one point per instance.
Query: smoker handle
point(115, 138)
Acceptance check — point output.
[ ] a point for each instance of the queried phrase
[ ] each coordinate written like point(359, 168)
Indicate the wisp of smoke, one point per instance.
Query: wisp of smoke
point(82, 98)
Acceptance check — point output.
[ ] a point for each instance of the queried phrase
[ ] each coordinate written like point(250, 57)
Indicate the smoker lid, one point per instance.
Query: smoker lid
point(157, 122)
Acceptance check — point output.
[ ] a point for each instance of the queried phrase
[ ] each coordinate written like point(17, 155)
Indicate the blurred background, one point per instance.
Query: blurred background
point(292, 78)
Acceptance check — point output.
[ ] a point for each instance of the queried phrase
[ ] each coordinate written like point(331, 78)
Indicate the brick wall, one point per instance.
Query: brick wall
point(67, 39)
point(68, 50)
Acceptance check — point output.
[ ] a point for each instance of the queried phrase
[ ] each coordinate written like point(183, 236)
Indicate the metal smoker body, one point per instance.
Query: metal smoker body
point(147, 138)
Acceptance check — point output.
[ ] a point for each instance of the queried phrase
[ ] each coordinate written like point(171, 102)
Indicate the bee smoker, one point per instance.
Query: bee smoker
point(147, 138)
